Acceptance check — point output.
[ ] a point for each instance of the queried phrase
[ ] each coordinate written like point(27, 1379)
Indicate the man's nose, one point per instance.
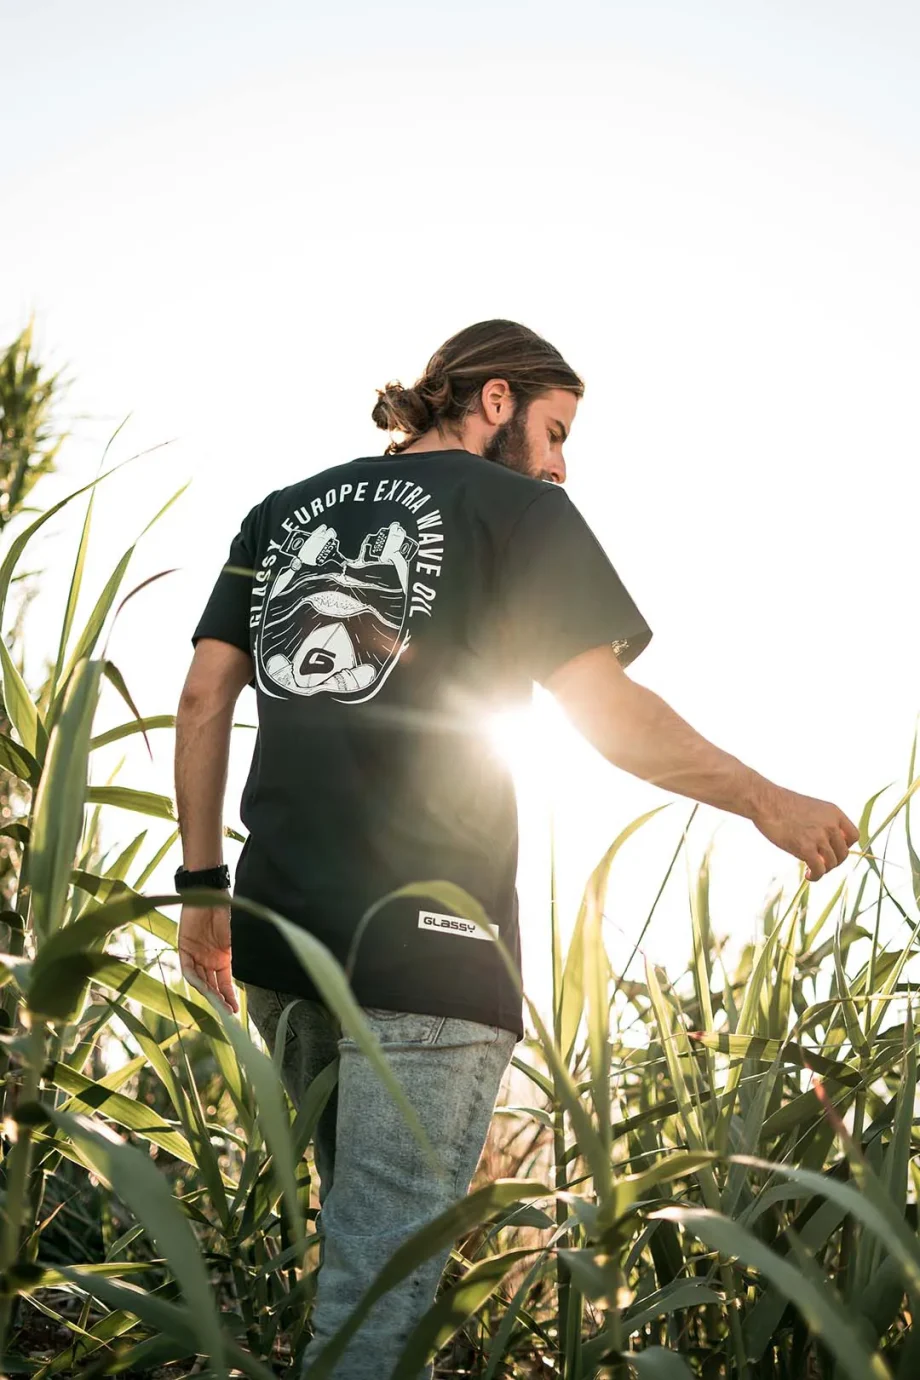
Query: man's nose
point(557, 469)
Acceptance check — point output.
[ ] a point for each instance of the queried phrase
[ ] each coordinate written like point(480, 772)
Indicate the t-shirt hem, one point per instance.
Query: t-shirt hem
point(216, 635)
point(388, 1000)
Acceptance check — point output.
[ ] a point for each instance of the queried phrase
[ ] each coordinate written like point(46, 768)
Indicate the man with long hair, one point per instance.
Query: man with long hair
point(384, 609)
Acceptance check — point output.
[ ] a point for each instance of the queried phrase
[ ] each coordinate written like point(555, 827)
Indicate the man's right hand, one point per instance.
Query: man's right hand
point(815, 831)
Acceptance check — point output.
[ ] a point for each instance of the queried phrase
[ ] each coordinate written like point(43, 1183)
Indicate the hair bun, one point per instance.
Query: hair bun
point(402, 409)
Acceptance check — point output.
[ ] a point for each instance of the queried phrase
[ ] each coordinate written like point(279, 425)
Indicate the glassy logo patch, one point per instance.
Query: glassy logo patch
point(452, 924)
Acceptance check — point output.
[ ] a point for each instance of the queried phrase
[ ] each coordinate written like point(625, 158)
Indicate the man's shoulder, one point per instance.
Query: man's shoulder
point(486, 477)
point(500, 479)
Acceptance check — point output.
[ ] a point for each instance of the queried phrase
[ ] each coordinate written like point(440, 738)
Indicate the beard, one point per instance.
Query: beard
point(510, 445)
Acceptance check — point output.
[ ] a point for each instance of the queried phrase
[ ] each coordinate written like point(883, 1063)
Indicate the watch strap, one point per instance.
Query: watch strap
point(215, 877)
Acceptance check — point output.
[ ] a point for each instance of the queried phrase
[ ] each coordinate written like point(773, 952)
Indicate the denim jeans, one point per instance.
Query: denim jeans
point(376, 1186)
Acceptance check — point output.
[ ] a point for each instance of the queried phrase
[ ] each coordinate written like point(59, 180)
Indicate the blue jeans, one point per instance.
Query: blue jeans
point(376, 1186)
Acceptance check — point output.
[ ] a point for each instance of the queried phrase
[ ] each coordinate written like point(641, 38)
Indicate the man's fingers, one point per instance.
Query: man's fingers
point(829, 857)
point(225, 989)
point(815, 865)
point(212, 981)
point(206, 981)
point(839, 844)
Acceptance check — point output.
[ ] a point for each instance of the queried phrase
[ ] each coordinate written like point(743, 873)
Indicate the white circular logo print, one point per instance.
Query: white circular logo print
point(334, 622)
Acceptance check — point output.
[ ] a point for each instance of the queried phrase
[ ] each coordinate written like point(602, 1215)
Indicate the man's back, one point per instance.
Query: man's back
point(395, 602)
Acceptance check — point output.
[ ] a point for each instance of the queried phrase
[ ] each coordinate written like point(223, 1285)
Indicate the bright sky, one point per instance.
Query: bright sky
point(235, 221)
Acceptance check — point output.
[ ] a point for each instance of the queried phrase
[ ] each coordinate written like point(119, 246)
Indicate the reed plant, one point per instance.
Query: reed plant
point(713, 1173)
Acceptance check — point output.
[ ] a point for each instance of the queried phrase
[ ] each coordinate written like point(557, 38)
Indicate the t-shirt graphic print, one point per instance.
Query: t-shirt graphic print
point(391, 606)
point(332, 624)
point(332, 621)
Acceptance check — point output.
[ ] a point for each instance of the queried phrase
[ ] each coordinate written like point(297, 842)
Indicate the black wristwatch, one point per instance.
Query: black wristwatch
point(216, 877)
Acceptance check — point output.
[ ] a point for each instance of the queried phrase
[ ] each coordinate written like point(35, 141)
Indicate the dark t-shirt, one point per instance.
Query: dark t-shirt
point(390, 606)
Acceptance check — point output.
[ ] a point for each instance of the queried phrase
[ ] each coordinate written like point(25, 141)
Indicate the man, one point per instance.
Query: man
point(385, 609)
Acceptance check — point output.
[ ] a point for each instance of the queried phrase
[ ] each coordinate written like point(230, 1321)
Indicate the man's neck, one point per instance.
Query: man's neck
point(442, 440)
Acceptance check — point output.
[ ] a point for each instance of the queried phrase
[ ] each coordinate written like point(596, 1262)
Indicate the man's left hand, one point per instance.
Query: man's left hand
point(204, 951)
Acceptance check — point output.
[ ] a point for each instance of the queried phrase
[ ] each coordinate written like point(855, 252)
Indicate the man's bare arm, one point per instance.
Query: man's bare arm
point(203, 724)
point(216, 676)
point(637, 730)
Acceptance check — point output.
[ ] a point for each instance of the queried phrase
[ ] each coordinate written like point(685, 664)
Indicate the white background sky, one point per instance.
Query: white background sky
point(235, 221)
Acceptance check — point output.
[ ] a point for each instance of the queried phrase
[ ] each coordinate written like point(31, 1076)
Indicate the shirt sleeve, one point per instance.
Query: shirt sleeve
point(226, 614)
point(560, 595)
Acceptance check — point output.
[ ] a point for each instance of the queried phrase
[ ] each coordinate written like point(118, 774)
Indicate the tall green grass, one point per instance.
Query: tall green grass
point(719, 1174)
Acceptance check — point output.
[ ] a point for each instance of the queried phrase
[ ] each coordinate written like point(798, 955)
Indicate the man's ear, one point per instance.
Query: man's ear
point(497, 401)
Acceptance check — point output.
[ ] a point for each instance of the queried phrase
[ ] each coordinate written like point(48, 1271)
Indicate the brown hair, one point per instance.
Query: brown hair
point(449, 389)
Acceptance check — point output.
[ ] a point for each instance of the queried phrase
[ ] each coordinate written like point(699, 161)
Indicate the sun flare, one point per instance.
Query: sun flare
point(512, 733)
point(532, 739)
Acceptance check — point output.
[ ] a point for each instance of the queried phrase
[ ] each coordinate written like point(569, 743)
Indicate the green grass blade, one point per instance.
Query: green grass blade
point(89, 1096)
point(630, 1188)
point(890, 982)
point(311, 1107)
point(133, 1177)
point(498, 1343)
point(155, 861)
point(674, 1042)
point(153, 1055)
point(786, 1051)
point(911, 851)
point(20, 542)
point(73, 596)
point(822, 1309)
point(454, 1307)
point(655, 1363)
point(750, 1133)
point(895, 1175)
point(812, 934)
point(543, 1083)
point(87, 640)
point(152, 922)
point(593, 1272)
point(598, 975)
point(762, 1321)
point(851, 1020)
point(19, 761)
point(571, 1005)
point(272, 1116)
point(170, 1319)
point(20, 707)
point(126, 798)
point(893, 814)
point(188, 1012)
point(672, 1298)
point(701, 934)
point(591, 1144)
point(113, 735)
point(867, 1203)
point(780, 1003)
point(56, 982)
point(57, 813)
